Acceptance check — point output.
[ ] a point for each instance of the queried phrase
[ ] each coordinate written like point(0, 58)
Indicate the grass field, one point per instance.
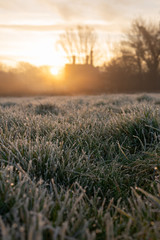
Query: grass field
point(80, 167)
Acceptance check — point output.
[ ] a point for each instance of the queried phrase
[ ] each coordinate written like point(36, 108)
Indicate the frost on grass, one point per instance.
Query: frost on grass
point(80, 168)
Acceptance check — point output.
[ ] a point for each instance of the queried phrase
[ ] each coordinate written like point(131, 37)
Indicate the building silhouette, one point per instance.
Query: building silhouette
point(82, 78)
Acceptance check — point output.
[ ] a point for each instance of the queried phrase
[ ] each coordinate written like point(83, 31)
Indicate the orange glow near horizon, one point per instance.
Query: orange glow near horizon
point(43, 52)
point(54, 71)
point(49, 56)
point(37, 52)
point(41, 49)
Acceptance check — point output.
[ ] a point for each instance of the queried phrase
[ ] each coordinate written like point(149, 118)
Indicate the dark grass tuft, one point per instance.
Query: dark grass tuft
point(145, 98)
point(44, 109)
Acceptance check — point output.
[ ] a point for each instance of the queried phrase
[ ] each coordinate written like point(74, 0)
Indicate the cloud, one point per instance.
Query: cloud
point(68, 10)
point(20, 6)
point(108, 12)
point(77, 11)
point(57, 15)
point(12, 5)
point(33, 27)
point(58, 27)
point(83, 11)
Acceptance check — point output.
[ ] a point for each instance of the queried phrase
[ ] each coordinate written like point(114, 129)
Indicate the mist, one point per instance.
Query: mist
point(26, 79)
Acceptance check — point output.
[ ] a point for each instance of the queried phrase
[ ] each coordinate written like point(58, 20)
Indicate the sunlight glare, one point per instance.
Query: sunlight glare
point(54, 71)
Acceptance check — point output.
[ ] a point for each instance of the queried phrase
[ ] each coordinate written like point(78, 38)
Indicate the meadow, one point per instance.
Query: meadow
point(84, 167)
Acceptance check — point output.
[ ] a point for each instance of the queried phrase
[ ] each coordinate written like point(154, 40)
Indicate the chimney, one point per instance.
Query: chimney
point(73, 59)
point(91, 57)
point(87, 59)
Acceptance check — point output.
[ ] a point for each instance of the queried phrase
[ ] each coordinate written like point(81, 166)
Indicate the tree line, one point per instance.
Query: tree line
point(136, 65)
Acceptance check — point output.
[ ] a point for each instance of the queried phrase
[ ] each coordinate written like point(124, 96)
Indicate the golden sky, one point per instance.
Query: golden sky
point(29, 29)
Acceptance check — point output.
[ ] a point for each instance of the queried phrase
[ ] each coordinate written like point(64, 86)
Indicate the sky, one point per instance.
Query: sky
point(30, 29)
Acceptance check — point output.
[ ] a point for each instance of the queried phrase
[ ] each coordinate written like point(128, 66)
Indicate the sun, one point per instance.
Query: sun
point(54, 71)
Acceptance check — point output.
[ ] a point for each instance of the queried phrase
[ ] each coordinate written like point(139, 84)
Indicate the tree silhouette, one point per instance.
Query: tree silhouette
point(79, 42)
point(143, 45)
